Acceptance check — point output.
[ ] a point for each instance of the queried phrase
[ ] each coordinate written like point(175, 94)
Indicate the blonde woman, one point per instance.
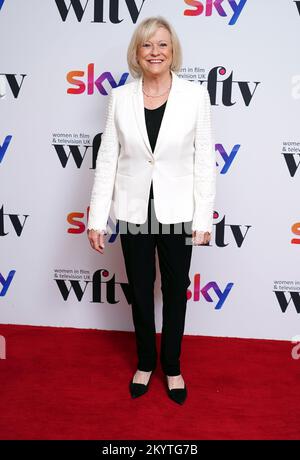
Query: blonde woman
point(157, 165)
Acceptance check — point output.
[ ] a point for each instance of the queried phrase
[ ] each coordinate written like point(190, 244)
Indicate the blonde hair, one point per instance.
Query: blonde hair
point(142, 33)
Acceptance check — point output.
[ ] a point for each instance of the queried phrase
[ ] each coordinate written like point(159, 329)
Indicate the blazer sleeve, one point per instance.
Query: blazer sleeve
point(204, 167)
point(105, 171)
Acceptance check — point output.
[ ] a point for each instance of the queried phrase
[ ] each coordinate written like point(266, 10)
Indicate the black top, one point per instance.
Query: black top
point(153, 121)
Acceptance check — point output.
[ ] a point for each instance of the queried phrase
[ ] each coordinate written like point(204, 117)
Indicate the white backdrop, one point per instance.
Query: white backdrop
point(247, 282)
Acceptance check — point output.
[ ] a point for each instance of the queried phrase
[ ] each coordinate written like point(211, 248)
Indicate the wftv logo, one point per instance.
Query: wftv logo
point(291, 155)
point(223, 229)
point(227, 86)
point(15, 221)
point(66, 150)
point(102, 11)
point(91, 82)
point(11, 80)
point(207, 6)
point(100, 281)
point(287, 292)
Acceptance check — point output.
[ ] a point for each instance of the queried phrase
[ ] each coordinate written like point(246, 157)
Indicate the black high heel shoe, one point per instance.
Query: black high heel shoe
point(177, 394)
point(139, 389)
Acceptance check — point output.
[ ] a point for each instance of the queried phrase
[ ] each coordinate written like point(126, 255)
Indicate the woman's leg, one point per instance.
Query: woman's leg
point(174, 260)
point(139, 256)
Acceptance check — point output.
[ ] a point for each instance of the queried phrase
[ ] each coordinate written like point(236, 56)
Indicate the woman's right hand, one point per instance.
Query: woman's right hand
point(96, 240)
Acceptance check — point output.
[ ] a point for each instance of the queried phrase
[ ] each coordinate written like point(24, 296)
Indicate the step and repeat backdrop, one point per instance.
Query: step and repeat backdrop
point(59, 61)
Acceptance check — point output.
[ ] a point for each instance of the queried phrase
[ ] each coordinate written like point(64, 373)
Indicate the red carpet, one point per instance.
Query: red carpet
point(65, 383)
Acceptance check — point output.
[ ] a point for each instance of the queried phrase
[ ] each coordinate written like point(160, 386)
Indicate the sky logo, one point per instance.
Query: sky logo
point(226, 157)
point(207, 7)
point(211, 287)
point(91, 82)
point(77, 226)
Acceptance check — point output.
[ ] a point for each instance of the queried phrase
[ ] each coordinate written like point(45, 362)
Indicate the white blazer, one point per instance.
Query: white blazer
point(182, 166)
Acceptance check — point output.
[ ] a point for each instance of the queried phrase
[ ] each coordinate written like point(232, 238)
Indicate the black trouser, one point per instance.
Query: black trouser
point(174, 255)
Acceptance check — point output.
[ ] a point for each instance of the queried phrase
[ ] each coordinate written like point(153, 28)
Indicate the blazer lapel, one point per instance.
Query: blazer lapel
point(166, 124)
point(170, 110)
point(138, 103)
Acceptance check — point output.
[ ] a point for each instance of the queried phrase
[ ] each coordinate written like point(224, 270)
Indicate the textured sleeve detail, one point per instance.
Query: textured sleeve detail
point(105, 171)
point(204, 167)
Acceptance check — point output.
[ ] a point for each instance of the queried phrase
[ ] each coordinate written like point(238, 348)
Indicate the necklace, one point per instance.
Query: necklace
point(159, 95)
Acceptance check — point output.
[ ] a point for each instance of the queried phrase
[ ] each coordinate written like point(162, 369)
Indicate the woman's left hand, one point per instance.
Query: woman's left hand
point(200, 237)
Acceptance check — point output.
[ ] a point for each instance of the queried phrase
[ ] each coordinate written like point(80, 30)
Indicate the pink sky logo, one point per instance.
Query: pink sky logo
point(207, 7)
point(4, 147)
point(206, 291)
point(86, 82)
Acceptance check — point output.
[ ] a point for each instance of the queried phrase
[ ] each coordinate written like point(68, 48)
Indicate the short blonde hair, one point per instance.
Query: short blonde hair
point(142, 33)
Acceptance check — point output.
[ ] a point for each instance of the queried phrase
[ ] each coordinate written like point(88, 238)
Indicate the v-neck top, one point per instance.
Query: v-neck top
point(153, 119)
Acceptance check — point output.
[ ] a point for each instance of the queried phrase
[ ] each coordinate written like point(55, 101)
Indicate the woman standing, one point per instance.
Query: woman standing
point(157, 165)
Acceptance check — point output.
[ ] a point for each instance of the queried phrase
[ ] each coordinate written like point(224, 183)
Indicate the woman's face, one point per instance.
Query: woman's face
point(155, 55)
